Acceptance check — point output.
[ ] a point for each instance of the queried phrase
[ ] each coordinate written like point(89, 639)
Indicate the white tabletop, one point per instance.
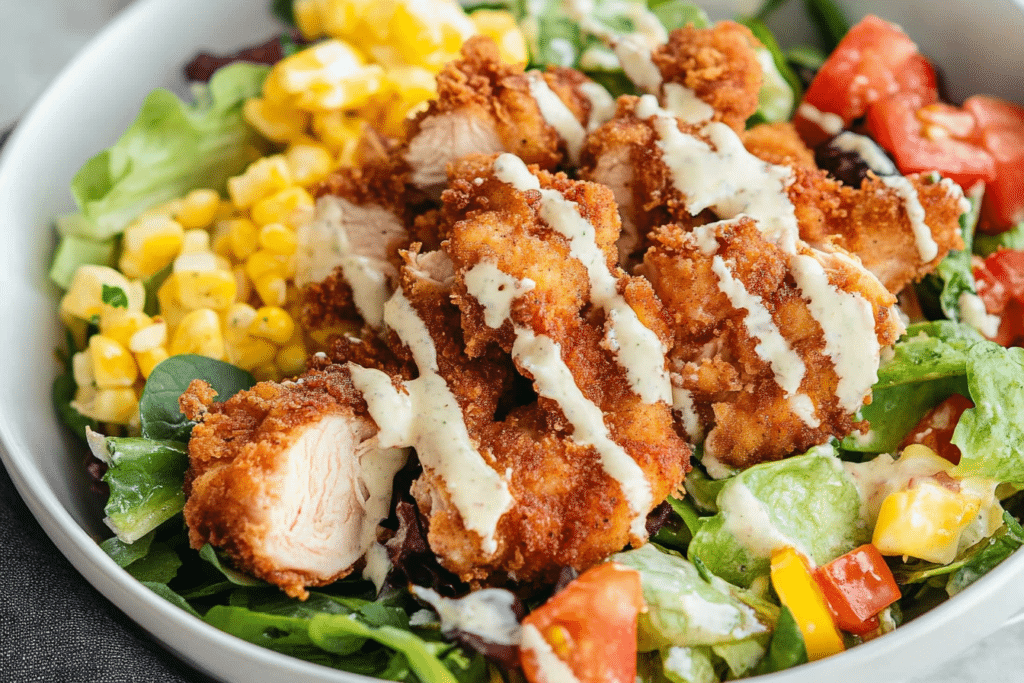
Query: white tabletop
point(37, 38)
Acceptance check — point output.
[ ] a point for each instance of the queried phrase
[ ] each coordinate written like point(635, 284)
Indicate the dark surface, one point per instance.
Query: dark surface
point(54, 626)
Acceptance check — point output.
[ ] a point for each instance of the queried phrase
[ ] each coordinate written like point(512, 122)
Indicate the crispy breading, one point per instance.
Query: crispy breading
point(275, 478)
point(737, 391)
point(719, 64)
point(778, 143)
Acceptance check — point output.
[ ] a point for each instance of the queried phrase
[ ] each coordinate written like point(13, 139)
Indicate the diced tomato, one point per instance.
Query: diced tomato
point(590, 626)
point(857, 586)
point(1001, 132)
point(874, 60)
point(1007, 266)
point(991, 291)
point(925, 137)
point(935, 429)
point(1011, 329)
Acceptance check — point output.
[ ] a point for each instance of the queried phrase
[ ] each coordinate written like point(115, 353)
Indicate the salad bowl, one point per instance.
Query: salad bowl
point(104, 86)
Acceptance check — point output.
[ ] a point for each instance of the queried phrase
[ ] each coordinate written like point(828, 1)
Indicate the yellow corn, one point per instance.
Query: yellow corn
point(268, 372)
point(291, 359)
point(237, 319)
point(261, 179)
point(264, 262)
point(799, 592)
point(149, 337)
point(501, 27)
point(199, 332)
point(242, 236)
point(84, 298)
point(196, 240)
point(249, 353)
point(286, 206)
point(120, 324)
point(198, 209)
point(338, 130)
point(150, 243)
point(308, 163)
point(272, 323)
point(117, 405)
point(81, 369)
point(278, 239)
point(171, 309)
point(112, 364)
point(272, 289)
point(309, 18)
point(243, 285)
point(213, 289)
point(277, 121)
point(149, 359)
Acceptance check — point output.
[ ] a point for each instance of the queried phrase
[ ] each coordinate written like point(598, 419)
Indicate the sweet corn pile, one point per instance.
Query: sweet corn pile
point(230, 292)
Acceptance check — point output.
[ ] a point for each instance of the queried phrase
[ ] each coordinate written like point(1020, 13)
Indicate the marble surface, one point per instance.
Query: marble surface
point(38, 38)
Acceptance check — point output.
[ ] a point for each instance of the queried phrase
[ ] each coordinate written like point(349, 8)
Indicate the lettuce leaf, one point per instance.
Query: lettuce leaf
point(991, 435)
point(171, 148)
point(806, 501)
point(1011, 239)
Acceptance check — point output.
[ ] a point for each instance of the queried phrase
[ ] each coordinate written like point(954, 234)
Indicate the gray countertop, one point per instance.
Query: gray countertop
point(38, 38)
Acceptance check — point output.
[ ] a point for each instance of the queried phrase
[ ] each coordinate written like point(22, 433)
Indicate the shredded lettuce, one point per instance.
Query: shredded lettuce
point(171, 148)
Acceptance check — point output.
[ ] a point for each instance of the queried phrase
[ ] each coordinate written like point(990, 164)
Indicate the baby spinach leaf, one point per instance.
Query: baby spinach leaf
point(787, 647)
point(159, 565)
point(208, 553)
point(161, 417)
point(125, 553)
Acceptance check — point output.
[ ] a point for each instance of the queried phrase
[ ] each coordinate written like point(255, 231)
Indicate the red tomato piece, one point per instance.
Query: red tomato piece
point(1011, 329)
point(1001, 132)
point(590, 626)
point(989, 288)
point(992, 112)
point(857, 586)
point(1007, 266)
point(935, 430)
point(921, 138)
point(874, 59)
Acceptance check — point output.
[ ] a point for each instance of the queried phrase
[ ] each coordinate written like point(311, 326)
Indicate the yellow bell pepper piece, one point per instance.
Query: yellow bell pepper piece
point(799, 592)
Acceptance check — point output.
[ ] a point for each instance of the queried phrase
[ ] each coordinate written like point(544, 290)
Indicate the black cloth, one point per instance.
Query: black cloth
point(55, 627)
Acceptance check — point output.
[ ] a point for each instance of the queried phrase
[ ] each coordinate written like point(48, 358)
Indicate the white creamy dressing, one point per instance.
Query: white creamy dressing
point(356, 238)
point(602, 104)
point(875, 479)
point(541, 357)
point(727, 179)
point(634, 55)
point(866, 148)
point(550, 669)
point(750, 524)
point(488, 613)
point(378, 564)
point(772, 347)
point(682, 404)
point(848, 324)
point(639, 350)
point(427, 417)
point(633, 50)
point(827, 121)
point(684, 104)
point(974, 313)
point(557, 115)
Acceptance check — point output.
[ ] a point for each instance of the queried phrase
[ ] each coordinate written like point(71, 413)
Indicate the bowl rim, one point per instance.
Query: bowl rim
point(175, 629)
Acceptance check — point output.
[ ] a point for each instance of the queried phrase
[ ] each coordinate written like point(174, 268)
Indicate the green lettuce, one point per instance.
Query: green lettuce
point(171, 148)
point(806, 501)
point(1011, 239)
point(991, 435)
point(683, 608)
point(940, 291)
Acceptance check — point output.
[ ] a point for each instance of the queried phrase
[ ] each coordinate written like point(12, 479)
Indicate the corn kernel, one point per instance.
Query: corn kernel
point(149, 337)
point(286, 206)
point(318, 66)
point(112, 365)
point(502, 28)
point(336, 129)
point(171, 309)
point(267, 372)
point(308, 163)
point(120, 324)
point(81, 369)
point(272, 323)
point(150, 243)
point(278, 239)
point(291, 359)
point(237, 319)
point(242, 283)
point(249, 353)
point(261, 179)
point(117, 405)
point(199, 332)
point(198, 209)
point(350, 92)
point(199, 289)
point(84, 298)
point(276, 121)
point(263, 263)
point(149, 359)
point(272, 289)
point(309, 18)
point(195, 240)
point(924, 521)
point(242, 236)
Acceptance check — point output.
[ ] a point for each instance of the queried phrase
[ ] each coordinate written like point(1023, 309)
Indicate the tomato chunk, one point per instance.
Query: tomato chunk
point(874, 59)
point(589, 627)
point(1001, 132)
point(1007, 266)
point(925, 137)
point(935, 430)
point(857, 586)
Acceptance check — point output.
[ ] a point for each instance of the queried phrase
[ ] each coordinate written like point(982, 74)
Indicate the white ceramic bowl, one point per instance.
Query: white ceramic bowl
point(88, 107)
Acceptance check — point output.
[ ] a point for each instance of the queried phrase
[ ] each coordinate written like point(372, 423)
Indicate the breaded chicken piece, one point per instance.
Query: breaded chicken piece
point(775, 350)
point(704, 173)
point(486, 106)
point(718, 65)
point(286, 479)
point(778, 143)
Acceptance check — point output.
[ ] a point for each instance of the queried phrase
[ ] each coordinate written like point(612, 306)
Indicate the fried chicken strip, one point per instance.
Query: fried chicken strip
point(287, 479)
